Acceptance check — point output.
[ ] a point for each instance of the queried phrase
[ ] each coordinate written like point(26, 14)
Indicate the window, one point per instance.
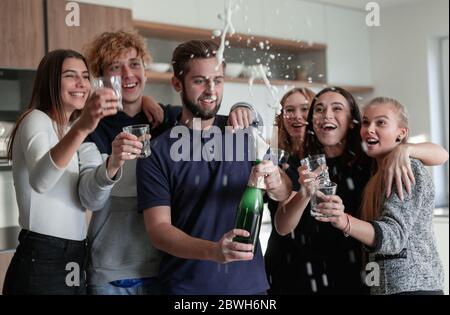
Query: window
point(445, 103)
point(438, 78)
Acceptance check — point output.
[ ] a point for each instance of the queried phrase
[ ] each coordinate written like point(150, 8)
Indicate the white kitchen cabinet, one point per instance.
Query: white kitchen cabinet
point(295, 20)
point(249, 19)
point(202, 14)
point(168, 11)
point(9, 214)
point(124, 4)
point(348, 53)
point(207, 12)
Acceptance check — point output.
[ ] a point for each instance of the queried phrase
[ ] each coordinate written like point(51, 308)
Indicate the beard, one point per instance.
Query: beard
point(197, 111)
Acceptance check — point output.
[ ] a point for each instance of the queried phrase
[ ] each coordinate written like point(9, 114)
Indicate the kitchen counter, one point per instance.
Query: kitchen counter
point(9, 238)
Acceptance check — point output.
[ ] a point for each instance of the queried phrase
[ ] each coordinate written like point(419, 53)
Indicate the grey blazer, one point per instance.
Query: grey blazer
point(405, 248)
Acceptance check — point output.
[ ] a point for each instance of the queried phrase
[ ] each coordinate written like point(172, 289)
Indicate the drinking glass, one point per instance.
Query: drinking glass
point(142, 132)
point(313, 163)
point(112, 82)
point(320, 191)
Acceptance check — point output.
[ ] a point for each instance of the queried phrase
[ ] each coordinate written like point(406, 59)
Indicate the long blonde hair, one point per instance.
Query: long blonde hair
point(284, 140)
point(374, 191)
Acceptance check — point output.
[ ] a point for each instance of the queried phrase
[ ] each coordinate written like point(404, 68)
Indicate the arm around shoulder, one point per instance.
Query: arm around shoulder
point(429, 153)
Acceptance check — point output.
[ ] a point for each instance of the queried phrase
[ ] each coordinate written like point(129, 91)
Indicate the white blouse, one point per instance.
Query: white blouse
point(47, 196)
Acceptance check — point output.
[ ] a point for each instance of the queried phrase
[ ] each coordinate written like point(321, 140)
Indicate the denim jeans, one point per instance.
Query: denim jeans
point(148, 288)
point(46, 265)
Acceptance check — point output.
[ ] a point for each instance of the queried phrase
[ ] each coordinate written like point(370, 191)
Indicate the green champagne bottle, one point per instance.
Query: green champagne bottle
point(249, 215)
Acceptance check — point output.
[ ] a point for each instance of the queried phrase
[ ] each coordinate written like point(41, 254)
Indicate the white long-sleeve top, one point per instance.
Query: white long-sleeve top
point(47, 196)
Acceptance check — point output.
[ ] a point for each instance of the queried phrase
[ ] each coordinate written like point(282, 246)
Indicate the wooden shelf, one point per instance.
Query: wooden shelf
point(165, 78)
point(174, 32)
point(179, 33)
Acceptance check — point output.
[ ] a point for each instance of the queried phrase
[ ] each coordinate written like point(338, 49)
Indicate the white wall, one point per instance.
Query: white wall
point(406, 65)
point(399, 55)
point(9, 214)
point(124, 4)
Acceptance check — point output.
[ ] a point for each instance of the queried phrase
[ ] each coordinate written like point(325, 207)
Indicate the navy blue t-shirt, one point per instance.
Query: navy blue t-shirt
point(203, 197)
point(109, 127)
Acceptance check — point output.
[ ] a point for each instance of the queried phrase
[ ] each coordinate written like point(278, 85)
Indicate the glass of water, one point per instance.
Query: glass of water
point(142, 132)
point(313, 163)
point(321, 191)
point(112, 82)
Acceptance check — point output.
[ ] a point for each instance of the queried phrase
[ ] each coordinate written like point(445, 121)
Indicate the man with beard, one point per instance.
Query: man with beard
point(122, 260)
point(190, 206)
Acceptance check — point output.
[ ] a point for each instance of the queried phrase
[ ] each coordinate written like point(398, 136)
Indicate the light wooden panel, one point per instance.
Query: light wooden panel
point(22, 42)
point(5, 259)
point(94, 20)
point(165, 78)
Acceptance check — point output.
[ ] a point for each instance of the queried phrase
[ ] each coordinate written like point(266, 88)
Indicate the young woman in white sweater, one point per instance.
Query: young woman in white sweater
point(43, 147)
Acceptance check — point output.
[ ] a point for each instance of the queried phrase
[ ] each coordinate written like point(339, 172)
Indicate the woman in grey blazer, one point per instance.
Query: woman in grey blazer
point(398, 234)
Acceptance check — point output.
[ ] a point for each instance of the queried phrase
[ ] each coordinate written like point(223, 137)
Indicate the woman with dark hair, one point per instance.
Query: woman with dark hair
point(324, 261)
point(43, 147)
point(398, 234)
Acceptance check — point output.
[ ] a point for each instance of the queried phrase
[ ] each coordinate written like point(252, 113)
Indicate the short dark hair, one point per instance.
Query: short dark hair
point(192, 50)
point(353, 152)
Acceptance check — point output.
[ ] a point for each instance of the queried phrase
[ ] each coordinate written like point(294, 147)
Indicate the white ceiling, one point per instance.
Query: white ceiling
point(361, 4)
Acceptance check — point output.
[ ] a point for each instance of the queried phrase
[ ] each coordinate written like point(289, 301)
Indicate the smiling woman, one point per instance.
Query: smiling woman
point(43, 147)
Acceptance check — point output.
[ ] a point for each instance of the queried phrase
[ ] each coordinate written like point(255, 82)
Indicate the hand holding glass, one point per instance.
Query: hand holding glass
point(321, 191)
point(112, 82)
point(142, 132)
point(313, 163)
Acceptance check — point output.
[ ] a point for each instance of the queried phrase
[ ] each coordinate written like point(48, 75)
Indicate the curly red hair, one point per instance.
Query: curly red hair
point(108, 46)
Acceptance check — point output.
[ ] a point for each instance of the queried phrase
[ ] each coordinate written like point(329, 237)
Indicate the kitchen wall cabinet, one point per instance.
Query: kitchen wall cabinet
point(348, 41)
point(342, 30)
point(292, 19)
point(164, 38)
point(94, 19)
point(201, 14)
point(22, 39)
point(249, 19)
point(295, 20)
point(168, 11)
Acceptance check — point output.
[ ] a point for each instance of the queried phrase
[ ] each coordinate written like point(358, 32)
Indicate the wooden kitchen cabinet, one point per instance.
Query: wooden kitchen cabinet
point(173, 34)
point(5, 260)
point(94, 19)
point(22, 38)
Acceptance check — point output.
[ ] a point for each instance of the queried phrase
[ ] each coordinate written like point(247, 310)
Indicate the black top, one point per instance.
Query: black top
point(317, 258)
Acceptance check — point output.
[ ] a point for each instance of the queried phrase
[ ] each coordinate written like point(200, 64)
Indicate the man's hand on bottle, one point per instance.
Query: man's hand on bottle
point(229, 250)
